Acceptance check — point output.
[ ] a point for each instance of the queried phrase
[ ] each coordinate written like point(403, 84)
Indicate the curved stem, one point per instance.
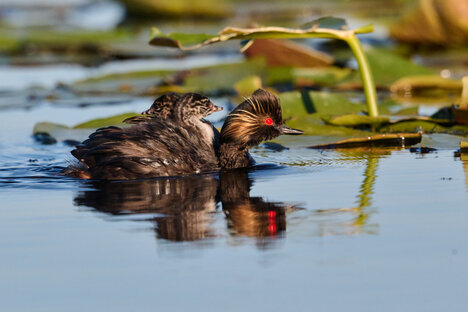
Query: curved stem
point(366, 75)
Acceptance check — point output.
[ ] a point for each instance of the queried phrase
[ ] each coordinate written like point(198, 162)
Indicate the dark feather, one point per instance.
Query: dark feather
point(159, 148)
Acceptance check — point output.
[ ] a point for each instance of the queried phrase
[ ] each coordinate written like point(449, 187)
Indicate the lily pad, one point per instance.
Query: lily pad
point(381, 140)
point(387, 67)
point(306, 110)
point(49, 133)
point(178, 8)
point(424, 126)
point(354, 120)
point(418, 83)
point(317, 104)
point(222, 78)
point(246, 86)
point(307, 77)
point(45, 39)
point(464, 147)
point(105, 122)
point(317, 29)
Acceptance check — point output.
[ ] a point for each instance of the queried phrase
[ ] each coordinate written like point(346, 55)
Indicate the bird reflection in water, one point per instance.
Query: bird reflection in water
point(183, 209)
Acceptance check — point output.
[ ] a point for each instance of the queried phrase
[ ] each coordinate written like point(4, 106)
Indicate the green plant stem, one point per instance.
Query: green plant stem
point(366, 75)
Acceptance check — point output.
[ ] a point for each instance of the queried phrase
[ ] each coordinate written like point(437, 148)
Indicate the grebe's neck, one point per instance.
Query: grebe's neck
point(232, 156)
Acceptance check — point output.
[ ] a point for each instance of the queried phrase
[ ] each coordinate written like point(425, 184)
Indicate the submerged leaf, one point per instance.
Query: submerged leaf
point(246, 86)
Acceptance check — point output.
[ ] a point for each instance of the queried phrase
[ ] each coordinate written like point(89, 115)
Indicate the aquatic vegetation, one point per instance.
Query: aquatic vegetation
point(434, 22)
point(330, 27)
point(380, 140)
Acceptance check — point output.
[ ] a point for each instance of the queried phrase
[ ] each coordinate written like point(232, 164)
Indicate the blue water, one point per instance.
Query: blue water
point(312, 231)
point(378, 230)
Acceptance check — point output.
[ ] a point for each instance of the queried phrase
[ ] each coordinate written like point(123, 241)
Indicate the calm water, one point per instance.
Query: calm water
point(312, 231)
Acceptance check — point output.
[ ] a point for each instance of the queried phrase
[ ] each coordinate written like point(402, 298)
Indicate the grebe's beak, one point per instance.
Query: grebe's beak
point(286, 130)
point(216, 108)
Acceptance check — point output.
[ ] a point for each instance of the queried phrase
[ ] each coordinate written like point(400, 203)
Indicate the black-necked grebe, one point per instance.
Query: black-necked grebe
point(182, 146)
point(257, 119)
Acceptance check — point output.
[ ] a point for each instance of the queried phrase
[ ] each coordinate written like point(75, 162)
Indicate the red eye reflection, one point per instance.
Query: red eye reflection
point(269, 121)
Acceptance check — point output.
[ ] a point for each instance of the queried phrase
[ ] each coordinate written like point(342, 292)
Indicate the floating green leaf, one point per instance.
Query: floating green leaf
point(223, 77)
point(317, 104)
point(66, 40)
point(380, 140)
point(320, 76)
point(178, 8)
point(417, 83)
point(57, 132)
point(314, 29)
point(104, 122)
point(354, 120)
point(424, 126)
point(463, 147)
point(387, 67)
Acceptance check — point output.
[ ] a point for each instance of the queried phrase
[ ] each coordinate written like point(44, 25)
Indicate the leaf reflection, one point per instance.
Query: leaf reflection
point(360, 224)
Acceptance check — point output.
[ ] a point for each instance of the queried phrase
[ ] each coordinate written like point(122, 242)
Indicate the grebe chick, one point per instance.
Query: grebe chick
point(162, 107)
point(257, 119)
point(170, 147)
point(191, 109)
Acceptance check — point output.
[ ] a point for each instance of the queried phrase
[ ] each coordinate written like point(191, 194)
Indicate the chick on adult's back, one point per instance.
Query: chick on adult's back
point(159, 147)
point(183, 145)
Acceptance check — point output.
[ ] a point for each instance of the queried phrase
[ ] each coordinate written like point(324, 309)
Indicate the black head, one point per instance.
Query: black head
point(195, 105)
point(163, 106)
point(257, 119)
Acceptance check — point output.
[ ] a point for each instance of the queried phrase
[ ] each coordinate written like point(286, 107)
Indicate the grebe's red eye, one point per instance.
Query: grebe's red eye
point(269, 121)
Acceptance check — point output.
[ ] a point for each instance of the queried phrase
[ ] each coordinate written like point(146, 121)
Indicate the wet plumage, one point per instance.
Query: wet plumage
point(182, 145)
point(257, 119)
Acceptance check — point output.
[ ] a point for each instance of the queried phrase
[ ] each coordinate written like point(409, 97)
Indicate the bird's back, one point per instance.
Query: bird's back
point(158, 148)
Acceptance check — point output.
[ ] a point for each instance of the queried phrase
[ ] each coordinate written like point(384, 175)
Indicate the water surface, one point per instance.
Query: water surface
point(330, 230)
